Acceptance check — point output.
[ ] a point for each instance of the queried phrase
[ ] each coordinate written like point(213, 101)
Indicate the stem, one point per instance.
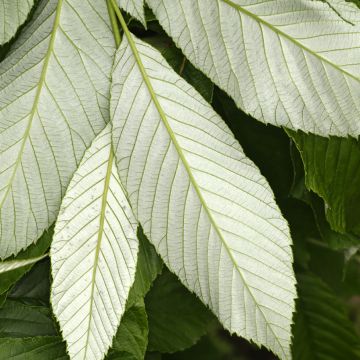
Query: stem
point(114, 23)
point(182, 66)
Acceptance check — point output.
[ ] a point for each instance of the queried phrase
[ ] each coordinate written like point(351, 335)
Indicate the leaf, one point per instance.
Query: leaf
point(10, 277)
point(131, 339)
point(34, 287)
point(10, 265)
point(184, 68)
point(54, 89)
point(177, 319)
point(148, 267)
point(205, 206)
point(332, 170)
point(135, 8)
point(322, 329)
point(21, 320)
point(93, 254)
point(288, 63)
point(36, 348)
point(13, 14)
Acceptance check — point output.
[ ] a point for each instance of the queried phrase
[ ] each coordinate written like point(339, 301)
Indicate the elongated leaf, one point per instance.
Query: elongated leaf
point(293, 63)
point(93, 254)
point(15, 264)
point(37, 348)
point(135, 8)
point(54, 88)
point(13, 13)
point(322, 329)
point(21, 320)
point(201, 202)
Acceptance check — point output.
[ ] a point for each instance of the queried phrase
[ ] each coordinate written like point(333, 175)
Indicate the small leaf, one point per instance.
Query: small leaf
point(93, 254)
point(177, 319)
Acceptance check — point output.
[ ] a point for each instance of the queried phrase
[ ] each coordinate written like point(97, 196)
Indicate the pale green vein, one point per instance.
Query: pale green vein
point(98, 244)
point(36, 100)
point(283, 34)
point(181, 155)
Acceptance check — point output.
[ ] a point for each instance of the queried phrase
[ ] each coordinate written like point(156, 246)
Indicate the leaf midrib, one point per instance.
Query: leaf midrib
point(183, 159)
point(285, 35)
point(98, 242)
point(36, 99)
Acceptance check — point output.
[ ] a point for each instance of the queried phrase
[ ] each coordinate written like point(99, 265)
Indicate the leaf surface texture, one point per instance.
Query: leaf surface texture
point(93, 254)
point(54, 89)
point(202, 203)
point(293, 63)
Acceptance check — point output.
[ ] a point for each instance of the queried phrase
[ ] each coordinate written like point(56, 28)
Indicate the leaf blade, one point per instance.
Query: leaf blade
point(158, 154)
point(93, 254)
point(51, 77)
point(276, 66)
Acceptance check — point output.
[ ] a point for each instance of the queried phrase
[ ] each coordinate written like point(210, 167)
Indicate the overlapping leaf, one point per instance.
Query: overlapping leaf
point(93, 254)
point(135, 8)
point(201, 202)
point(54, 88)
point(293, 63)
point(13, 14)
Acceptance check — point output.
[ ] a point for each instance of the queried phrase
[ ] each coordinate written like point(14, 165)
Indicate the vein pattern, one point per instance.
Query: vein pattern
point(201, 202)
point(93, 254)
point(293, 63)
point(135, 8)
point(13, 14)
point(54, 89)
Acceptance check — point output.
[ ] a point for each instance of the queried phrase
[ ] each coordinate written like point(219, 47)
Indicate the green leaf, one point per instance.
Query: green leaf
point(36, 348)
point(322, 329)
point(93, 254)
point(54, 90)
point(34, 287)
point(148, 267)
point(36, 250)
point(131, 339)
point(177, 319)
point(289, 63)
point(21, 320)
point(203, 204)
point(13, 14)
point(332, 170)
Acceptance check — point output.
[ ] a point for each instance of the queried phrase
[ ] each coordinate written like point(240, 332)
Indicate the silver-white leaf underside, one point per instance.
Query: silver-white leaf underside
point(13, 14)
point(93, 254)
point(135, 8)
point(201, 202)
point(54, 90)
point(293, 63)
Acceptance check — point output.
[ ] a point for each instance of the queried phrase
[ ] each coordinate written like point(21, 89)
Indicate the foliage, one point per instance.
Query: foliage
point(179, 179)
